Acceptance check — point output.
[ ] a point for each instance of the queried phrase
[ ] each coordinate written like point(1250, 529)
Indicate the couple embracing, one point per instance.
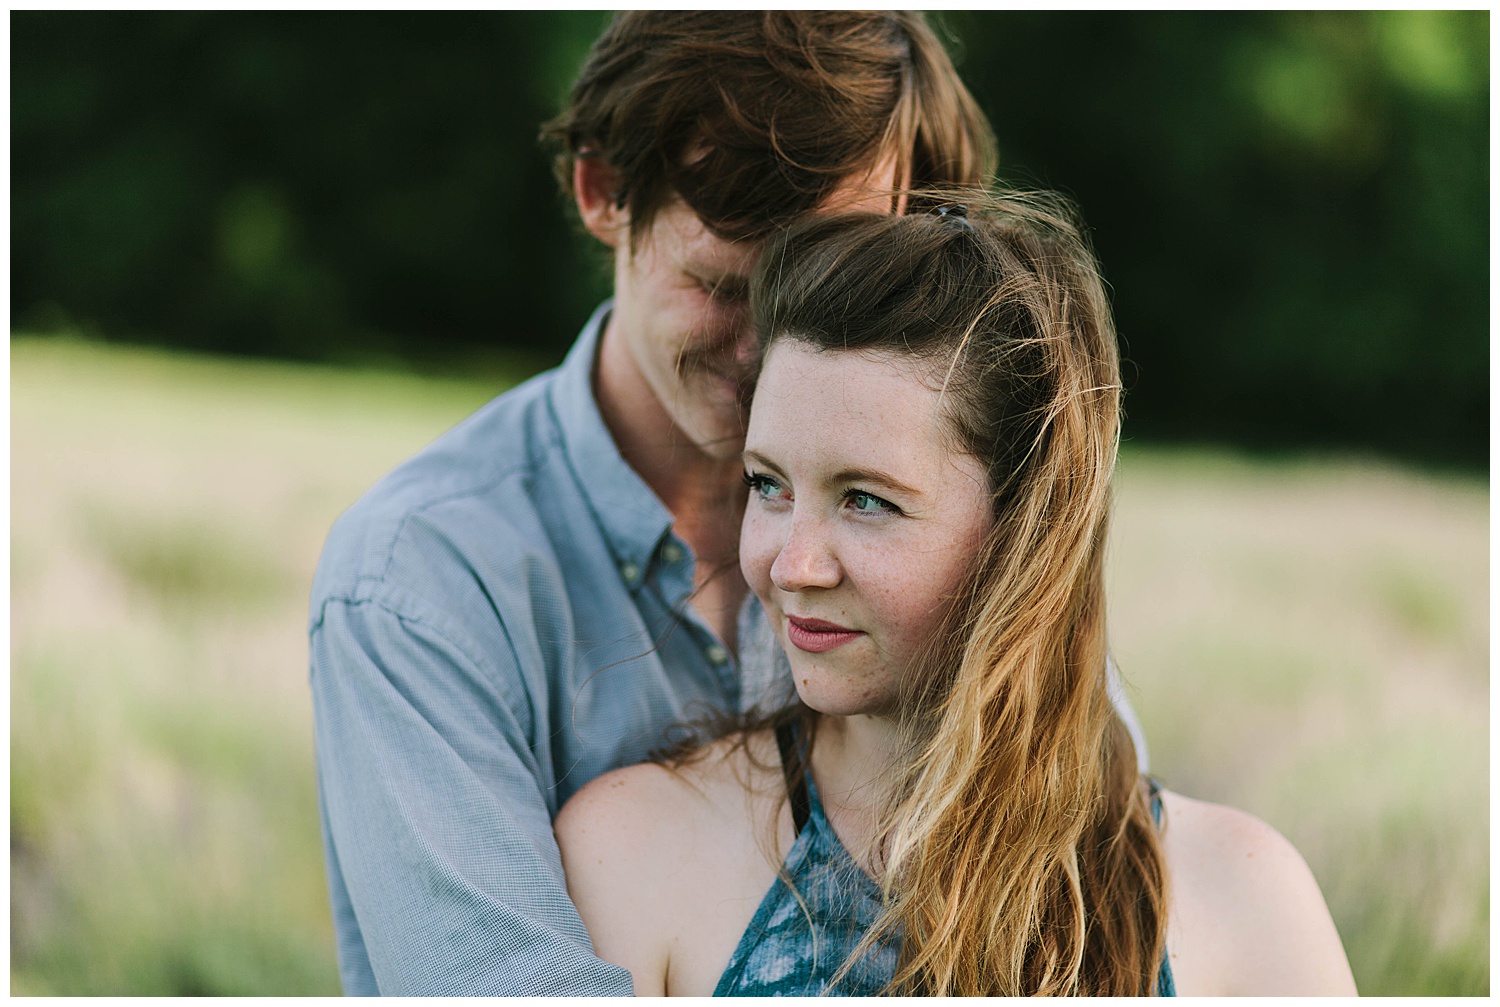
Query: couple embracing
point(817, 502)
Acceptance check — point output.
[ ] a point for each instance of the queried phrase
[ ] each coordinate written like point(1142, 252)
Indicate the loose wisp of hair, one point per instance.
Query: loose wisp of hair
point(1018, 854)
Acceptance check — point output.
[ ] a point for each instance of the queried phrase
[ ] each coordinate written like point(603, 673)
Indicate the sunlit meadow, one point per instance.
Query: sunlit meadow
point(1306, 639)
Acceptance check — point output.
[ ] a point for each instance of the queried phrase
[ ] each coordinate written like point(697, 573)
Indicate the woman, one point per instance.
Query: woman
point(950, 805)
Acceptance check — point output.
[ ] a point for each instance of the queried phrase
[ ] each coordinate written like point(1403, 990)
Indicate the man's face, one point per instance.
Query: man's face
point(682, 309)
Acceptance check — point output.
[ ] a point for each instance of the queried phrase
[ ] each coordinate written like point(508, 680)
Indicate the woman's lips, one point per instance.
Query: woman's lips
point(816, 636)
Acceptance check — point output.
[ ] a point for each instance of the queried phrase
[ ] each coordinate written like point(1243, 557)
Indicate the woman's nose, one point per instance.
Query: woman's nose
point(806, 560)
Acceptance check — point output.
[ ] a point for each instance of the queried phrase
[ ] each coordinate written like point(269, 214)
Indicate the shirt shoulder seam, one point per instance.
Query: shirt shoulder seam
point(406, 610)
point(416, 510)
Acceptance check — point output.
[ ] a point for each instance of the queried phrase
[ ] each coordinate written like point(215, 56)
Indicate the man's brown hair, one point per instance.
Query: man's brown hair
point(754, 117)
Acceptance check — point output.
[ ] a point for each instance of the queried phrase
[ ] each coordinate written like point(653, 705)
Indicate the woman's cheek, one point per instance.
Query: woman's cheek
point(909, 609)
point(757, 551)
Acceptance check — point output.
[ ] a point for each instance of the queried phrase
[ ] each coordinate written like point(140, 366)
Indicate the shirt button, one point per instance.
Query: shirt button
point(630, 572)
point(717, 654)
point(672, 552)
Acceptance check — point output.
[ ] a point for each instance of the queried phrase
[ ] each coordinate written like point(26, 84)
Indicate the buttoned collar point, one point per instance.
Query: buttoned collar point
point(634, 521)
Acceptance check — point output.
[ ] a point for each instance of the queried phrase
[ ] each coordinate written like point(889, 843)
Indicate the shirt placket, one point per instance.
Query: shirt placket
point(672, 578)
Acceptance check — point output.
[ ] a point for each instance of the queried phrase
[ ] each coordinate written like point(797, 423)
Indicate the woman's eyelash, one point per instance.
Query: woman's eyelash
point(881, 503)
point(758, 483)
point(764, 485)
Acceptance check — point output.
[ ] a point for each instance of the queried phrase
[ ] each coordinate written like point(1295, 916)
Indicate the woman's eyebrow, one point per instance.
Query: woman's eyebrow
point(761, 460)
point(872, 477)
point(877, 478)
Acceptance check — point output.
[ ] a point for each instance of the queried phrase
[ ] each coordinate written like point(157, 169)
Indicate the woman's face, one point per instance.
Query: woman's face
point(861, 521)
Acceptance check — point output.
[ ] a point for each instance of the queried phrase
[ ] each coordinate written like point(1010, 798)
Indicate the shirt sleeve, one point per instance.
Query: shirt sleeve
point(444, 873)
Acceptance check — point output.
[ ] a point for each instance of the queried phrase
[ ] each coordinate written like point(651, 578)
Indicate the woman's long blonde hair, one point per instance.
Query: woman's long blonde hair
point(1019, 854)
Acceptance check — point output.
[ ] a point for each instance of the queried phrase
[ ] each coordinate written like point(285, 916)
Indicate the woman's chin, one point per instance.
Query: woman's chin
point(833, 702)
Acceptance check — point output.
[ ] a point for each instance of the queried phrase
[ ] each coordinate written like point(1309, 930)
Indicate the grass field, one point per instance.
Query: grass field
point(1305, 639)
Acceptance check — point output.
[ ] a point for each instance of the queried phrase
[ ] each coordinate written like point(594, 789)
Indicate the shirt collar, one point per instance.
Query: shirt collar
point(633, 520)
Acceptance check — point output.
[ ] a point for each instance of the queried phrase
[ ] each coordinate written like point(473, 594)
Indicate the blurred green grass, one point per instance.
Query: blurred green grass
point(1304, 638)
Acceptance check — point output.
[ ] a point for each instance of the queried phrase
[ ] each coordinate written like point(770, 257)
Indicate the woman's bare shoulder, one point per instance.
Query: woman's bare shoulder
point(649, 849)
point(629, 798)
point(614, 842)
point(697, 785)
point(1246, 916)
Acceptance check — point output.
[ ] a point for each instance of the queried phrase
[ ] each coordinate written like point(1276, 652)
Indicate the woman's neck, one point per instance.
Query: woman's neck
point(854, 763)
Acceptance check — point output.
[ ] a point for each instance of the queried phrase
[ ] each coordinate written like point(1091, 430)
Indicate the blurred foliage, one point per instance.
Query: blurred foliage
point(1291, 207)
point(317, 186)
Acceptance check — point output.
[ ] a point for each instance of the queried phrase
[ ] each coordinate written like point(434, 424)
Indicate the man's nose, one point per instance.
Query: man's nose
point(807, 559)
point(747, 348)
point(734, 329)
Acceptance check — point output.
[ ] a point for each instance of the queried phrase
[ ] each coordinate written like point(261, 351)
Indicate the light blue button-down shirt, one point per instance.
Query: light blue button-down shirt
point(498, 621)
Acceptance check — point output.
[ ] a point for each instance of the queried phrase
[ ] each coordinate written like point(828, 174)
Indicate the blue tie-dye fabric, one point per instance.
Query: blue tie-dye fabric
point(793, 948)
point(789, 950)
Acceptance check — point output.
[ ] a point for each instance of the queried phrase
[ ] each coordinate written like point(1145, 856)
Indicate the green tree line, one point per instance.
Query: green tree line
point(1291, 208)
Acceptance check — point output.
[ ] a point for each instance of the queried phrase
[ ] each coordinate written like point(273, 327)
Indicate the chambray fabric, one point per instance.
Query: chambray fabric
point(500, 620)
point(794, 948)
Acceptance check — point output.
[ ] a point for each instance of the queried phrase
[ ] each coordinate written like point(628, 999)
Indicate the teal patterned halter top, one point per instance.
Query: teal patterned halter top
point(792, 947)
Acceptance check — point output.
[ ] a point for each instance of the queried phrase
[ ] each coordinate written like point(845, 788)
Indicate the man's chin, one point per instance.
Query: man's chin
point(721, 442)
point(717, 429)
point(723, 447)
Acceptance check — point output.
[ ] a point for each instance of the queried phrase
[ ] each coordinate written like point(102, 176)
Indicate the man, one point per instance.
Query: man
point(538, 595)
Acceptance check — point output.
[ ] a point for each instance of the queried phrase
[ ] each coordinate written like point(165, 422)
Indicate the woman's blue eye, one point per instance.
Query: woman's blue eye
point(868, 503)
point(764, 486)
